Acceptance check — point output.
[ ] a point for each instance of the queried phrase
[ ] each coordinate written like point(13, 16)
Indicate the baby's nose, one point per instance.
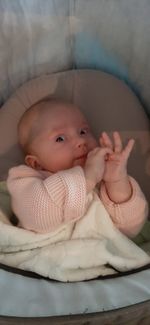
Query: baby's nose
point(81, 142)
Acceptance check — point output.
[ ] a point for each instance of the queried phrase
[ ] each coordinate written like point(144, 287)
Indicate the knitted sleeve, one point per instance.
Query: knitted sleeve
point(42, 205)
point(129, 216)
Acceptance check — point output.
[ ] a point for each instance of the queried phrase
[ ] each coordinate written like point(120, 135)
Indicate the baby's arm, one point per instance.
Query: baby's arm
point(120, 193)
point(94, 167)
point(42, 205)
point(129, 216)
point(115, 175)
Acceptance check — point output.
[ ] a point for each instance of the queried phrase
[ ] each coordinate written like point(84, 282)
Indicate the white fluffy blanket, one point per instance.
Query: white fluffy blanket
point(77, 251)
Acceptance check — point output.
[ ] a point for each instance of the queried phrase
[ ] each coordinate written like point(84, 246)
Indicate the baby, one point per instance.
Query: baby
point(63, 163)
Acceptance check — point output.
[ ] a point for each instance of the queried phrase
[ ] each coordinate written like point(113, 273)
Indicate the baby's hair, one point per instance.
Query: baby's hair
point(29, 125)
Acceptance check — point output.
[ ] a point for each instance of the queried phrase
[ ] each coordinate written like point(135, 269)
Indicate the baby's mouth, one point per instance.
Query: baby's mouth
point(84, 156)
point(81, 160)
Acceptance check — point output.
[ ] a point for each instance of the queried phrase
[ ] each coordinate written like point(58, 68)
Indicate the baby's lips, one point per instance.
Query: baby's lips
point(83, 157)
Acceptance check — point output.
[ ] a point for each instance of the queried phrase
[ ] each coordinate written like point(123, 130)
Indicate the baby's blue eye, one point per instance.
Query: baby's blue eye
point(60, 138)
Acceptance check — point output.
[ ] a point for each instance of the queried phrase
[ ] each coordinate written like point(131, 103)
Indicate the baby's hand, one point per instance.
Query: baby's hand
point(95, 165)
point(116, 162)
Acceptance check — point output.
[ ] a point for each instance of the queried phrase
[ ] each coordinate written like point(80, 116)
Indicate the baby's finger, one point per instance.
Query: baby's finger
point(101, 142)
point(106, 140)
point(117, 142)
point(93, 152)
point(105, 151)
point(128, 148)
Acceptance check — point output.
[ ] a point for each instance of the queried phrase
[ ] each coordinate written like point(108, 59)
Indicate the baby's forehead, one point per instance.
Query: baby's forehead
point(61, 113)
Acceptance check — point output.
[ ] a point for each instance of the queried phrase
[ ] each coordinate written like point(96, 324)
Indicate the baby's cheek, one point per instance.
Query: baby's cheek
point(93, 144)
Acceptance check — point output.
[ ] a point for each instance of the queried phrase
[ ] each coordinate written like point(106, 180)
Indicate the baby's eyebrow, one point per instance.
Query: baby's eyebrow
point(56, 131)
point(60, 131)
point(85, 125)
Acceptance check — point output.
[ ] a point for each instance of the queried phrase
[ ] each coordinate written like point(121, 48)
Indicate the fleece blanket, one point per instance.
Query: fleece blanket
point(77, 251)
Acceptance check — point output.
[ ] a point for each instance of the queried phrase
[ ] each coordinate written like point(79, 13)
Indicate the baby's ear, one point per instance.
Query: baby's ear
point(32, 161)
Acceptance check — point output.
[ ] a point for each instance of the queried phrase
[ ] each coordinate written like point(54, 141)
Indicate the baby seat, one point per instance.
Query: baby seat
point(109, 105)
point(104, 99)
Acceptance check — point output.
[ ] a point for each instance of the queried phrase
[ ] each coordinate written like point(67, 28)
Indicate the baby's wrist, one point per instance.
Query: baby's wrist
point(119, 191)
point(90, 183)
point(117, 180)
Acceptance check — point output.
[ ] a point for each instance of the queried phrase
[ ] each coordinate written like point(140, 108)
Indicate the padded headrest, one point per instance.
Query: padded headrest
point(106, 101)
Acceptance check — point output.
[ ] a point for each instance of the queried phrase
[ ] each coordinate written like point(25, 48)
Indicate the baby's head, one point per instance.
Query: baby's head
point(54, 136)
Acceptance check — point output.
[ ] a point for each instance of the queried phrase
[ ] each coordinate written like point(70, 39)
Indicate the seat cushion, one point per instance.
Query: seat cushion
point(106, 101)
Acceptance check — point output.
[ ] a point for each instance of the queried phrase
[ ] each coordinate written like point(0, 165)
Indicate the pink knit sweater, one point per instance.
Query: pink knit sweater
point(42, 201)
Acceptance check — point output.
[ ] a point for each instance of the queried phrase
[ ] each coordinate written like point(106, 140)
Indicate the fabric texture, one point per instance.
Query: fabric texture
point(7, 216)
point(78, 251)
point(43, 201)
point(82, 36)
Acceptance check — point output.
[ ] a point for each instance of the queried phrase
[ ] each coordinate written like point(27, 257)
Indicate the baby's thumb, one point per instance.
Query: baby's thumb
point(105, 151)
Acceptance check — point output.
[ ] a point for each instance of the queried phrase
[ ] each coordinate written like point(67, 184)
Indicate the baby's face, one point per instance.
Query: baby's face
point(64, 141)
